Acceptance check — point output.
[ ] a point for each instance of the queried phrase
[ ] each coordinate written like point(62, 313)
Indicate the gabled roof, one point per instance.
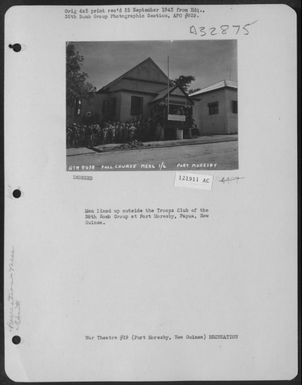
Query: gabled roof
point(216, 86)
point(125, 75)
point(164, 93)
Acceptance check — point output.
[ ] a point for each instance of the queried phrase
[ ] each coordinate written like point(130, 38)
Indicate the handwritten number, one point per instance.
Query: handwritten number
point(224, 29)
point(245, 29)
point(212, 30)
point(202, 32)
point(193, 30)
point(238, 28)
point(248, 25)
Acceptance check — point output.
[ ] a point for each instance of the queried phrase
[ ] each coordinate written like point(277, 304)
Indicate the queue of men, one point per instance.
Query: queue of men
point(79, 135)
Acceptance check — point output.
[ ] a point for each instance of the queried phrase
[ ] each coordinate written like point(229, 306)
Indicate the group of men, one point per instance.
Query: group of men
point(107, 132)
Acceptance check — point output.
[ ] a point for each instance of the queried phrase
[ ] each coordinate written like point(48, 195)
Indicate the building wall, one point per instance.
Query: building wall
point(118, 100)
point(125, 105)
point(94, 104)
point(122, 105)
point(225, 122)
point(232, 118)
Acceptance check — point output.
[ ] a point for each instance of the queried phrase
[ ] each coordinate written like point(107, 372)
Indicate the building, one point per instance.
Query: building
point(139, 94)
point(134, 94)
point(215, 108)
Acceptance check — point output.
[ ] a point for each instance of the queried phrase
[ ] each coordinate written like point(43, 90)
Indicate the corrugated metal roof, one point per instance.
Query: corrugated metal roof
point(216, 86)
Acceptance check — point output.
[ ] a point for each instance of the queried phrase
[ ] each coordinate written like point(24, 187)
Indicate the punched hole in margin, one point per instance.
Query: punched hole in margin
point(17, 193)
point(15, 47)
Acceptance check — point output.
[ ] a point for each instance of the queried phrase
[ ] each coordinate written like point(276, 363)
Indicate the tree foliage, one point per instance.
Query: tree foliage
point(77, 85)
point(183, 81)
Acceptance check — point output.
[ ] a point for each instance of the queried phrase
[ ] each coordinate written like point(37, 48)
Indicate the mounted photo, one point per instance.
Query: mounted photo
point(151, 105)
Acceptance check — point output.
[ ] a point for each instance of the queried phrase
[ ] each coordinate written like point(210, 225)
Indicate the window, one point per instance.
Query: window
point(213, 108)
point(136, 105)
point(234, 107)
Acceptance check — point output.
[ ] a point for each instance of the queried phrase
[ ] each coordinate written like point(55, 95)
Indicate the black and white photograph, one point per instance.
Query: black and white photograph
point(151, 105)
point(182, 267)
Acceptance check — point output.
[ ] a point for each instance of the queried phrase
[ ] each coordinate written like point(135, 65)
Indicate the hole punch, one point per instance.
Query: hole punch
point(16, 47)
point(16, 193)
point(16, 340)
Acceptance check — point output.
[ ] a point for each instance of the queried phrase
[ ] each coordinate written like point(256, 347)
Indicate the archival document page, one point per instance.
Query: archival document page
point(150, 193)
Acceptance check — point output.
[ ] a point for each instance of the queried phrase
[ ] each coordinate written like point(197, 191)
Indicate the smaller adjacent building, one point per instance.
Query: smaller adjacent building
point(215, 108)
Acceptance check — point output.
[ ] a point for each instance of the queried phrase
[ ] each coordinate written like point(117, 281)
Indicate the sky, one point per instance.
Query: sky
point(209, 61)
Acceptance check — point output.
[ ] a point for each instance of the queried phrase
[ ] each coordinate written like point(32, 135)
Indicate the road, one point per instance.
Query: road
point(197, 156)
